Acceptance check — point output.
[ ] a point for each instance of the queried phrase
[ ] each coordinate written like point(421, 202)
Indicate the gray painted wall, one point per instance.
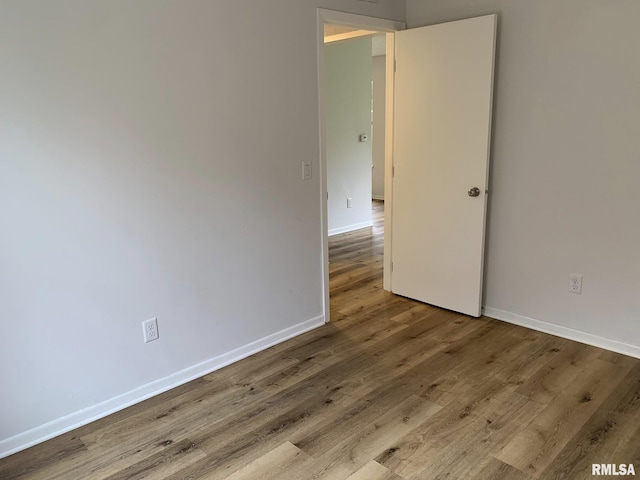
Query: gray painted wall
point(565, 169)
point(146, 170)
point(348, 114)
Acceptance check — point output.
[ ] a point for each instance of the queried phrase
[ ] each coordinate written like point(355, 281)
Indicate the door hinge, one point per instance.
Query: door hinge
point(393, 170)
point(395, 65)
point(392, 266)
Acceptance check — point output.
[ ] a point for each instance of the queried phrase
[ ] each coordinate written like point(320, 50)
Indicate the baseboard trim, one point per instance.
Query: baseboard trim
point(377, 197)
point(52, 429)
point(350, 228)
point(564, 332)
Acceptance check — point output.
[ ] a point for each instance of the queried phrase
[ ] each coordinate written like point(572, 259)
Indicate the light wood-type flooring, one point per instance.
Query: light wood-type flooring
point(390, 389)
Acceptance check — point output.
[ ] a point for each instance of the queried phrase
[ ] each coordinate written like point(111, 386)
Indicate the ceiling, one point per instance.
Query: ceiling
point(331, 29)
point(334, 33)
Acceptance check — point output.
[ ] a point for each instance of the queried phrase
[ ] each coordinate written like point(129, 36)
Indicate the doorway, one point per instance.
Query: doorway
point(444, 80)
point(354, 23)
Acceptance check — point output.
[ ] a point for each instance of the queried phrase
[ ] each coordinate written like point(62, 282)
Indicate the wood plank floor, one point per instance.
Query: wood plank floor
point(391, 389)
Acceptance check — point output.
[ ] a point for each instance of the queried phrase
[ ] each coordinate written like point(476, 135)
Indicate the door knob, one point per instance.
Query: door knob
point(474, 192)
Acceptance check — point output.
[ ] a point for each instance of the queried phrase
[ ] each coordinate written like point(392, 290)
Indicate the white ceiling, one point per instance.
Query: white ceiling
point(331, 29)
point(334, 33)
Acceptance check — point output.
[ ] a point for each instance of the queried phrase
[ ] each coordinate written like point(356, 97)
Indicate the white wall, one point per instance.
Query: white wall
point(348, 114)
point(565, 169)
point(379, 81)
point(147, 170)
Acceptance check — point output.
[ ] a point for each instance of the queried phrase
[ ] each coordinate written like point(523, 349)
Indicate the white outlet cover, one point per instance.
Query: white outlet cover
point(575, 283)
point(150, 330)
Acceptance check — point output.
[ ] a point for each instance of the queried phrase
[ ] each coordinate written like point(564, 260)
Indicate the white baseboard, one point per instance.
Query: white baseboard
point(350, 228)
point(77, 419)
point(564, 332)
point(377, 197)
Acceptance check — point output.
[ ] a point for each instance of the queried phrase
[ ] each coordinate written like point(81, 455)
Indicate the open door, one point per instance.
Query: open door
point(442, 131)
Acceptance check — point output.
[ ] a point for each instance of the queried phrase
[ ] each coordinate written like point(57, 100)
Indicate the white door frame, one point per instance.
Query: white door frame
point(365, 23)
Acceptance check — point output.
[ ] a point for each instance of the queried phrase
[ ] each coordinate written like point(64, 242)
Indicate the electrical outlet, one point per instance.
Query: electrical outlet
point(349, 202)
point(150, 330)
point(575, 283)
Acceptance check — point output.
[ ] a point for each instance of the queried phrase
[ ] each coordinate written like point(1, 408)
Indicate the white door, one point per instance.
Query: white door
point(442, 130)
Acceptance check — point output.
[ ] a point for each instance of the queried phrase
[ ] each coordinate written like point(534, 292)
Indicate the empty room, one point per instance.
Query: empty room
point(172, 305)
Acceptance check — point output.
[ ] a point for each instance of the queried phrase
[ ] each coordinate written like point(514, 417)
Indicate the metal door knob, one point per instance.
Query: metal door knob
point(474, 192)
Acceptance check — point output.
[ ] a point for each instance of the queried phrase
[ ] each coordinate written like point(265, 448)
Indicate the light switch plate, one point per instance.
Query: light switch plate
point(306, 170)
